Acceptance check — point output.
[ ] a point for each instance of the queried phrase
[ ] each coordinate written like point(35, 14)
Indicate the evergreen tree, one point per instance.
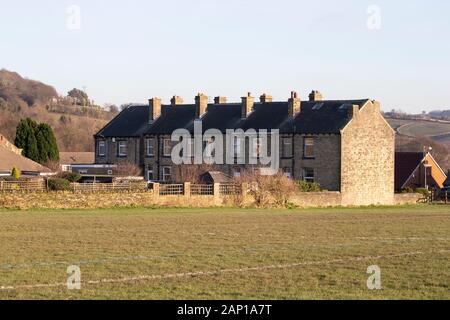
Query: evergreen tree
point(37, 141)
point(22, 132)
point(50, 145)
point(31, 151)
point(42, 146)
point(15, 173)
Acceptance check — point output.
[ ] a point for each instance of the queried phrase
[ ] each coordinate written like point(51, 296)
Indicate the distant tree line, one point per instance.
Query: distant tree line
point(37, 141)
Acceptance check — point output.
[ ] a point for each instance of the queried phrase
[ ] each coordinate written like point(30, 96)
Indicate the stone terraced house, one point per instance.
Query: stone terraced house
point(344, 145)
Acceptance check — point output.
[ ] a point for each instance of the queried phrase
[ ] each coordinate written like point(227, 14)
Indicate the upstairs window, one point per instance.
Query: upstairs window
point(150, 147)
point(287, 147)
point(122, 150)
point(257, 149)
point(309, 148)
point(167, 148)
point(101, 149)
point(237, 146)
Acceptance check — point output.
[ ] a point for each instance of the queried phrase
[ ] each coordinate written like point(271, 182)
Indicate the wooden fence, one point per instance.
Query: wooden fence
point(109, 187)
point(185, 189)
point(23, 186)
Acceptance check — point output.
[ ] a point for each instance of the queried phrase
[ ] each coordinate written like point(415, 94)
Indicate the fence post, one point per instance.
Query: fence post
point(156, 189)
point(187, 189)
point(1, 185)
point(244, 189)
point(216, 191)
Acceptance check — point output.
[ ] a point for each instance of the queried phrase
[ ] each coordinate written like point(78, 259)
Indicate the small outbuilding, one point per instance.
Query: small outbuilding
point(211, 177)
point(417, 170)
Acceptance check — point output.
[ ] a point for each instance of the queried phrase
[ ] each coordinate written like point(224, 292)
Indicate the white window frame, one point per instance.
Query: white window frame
point(101, 144)
point(287, 172)
point(167, 147)
point(309, 178)
point(165, 175)
point(150, 147)
point(151, 171)
point(256, 147)
point(287, 152)
point(309, 145)
point(120, 146)
point(237, 141)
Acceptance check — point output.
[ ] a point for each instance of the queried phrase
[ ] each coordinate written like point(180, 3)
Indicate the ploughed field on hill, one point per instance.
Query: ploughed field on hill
point(226, 253)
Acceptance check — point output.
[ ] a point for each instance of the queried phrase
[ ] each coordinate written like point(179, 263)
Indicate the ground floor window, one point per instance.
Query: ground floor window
point(167, 174)
point(237, 172)
point(150, 175)
point(309, 175)
point(287, 171)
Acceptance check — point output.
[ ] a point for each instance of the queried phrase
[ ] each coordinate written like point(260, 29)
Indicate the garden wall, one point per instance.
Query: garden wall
point(317, 199)
point(99, 200)
point(407, 198)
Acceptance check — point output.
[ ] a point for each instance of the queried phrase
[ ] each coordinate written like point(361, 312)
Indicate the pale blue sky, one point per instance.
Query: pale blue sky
point(129, 51)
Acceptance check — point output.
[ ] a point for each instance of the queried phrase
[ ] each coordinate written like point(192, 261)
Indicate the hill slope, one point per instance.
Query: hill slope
point(74, 126)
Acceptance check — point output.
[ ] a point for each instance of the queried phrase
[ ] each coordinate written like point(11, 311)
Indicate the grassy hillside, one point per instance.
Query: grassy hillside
point(74, 126)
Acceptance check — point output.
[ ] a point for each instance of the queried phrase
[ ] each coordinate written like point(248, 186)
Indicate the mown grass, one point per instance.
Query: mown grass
point(332, 247)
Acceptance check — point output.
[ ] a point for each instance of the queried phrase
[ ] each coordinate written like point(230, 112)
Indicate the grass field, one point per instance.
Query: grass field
point(226, 253)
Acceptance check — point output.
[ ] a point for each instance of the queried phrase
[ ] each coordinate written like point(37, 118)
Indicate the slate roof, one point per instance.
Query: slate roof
point(316, 117)
point(131, 122)
point(171, 119)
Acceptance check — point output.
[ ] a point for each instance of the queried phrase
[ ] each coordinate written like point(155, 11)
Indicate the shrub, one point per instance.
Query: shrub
point(306, 186)
point(423, 191)
point(407, 190)
point(15, 173)
point(58, 184)
point(70, 176)
point(269, 191)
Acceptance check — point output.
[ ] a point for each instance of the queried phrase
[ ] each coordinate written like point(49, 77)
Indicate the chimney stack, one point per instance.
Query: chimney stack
point(155, 109)
point(295, 104)
point(265, 98)
point(353, 110)
point(248, 103)
point(176, 100)
point(201, 104)
point(220, 100)
point(315, 96)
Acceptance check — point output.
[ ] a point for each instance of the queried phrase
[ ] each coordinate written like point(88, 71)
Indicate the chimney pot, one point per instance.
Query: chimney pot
point(155, 109)
point(315, 96)
point(220, 100)
point(248, 103)
point(176, 100)
point(265, 98)
point(201, 104)
point(294, 104)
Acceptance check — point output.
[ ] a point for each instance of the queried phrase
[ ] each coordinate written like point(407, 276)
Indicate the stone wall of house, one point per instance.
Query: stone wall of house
point(134, 147)
point(326, 162)
point(368, 151)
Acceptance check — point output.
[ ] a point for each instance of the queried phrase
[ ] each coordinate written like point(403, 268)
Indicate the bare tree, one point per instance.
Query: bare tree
point(128, 169)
